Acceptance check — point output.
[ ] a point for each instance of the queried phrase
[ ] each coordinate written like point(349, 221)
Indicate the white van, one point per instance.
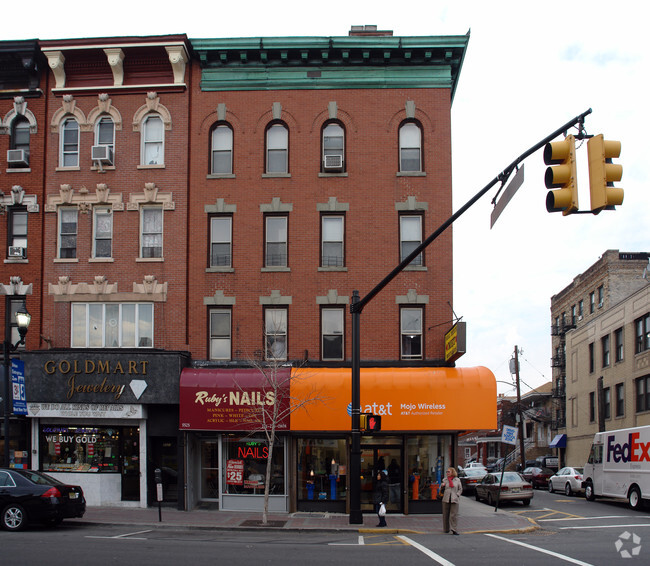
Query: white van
point(619, 466)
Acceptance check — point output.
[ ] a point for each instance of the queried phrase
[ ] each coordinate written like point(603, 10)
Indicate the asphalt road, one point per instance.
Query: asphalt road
point(572, 531)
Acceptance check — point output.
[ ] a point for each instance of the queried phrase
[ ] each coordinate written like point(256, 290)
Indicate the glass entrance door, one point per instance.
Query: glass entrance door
point(130, 453)
point(378, 458)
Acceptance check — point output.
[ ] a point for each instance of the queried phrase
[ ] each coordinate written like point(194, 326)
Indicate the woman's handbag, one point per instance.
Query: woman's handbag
point(441, 492)
point(382, 510)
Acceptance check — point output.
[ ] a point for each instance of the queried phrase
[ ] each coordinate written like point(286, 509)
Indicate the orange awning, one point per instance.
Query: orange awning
point(408, 399)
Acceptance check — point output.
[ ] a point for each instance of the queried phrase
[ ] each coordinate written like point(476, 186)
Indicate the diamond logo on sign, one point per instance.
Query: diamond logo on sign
point(138, 386)
point(509, 435)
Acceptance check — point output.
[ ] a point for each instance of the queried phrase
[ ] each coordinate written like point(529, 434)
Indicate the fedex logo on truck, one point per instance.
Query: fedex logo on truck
point(631, 451)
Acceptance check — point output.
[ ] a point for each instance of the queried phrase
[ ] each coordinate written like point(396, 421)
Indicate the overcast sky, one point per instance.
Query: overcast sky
point(528, 70)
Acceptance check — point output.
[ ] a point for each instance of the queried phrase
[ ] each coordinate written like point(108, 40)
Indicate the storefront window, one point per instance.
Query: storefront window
point(322, 469)
point(80, 448)
point(245, 460)
point(427, 458)
point(209, 469)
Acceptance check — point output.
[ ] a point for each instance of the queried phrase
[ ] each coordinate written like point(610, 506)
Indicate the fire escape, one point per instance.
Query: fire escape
point(558, 363)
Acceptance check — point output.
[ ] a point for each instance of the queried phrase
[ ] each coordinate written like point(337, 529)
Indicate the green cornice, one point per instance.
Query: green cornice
point(282, 63)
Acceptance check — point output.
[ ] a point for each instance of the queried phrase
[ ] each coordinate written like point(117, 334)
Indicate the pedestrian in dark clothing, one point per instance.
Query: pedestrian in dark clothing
point(380, 495)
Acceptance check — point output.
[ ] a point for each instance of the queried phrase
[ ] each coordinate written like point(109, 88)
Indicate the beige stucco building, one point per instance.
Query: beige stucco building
point(601, 351)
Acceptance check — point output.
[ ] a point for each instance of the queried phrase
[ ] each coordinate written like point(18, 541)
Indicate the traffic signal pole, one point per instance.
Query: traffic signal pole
point(358, 304)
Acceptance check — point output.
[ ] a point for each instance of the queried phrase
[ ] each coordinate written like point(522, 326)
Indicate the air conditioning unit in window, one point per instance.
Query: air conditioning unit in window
point(16, 251)
point(17, 157)
point(333, 162)
point(103, 153)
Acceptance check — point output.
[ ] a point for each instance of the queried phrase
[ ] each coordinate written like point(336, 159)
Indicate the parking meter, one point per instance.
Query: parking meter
point(158, 479)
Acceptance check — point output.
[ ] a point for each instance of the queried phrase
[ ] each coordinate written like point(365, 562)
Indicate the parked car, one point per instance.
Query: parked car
point(469, 478)
point(568, 480)
point(475, 465)
point(495, 465)
point(28, 496)
point(538, 477)
point(513, 488)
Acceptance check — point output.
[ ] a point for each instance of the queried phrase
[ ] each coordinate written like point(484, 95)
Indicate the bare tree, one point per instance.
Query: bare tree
point(276, 403)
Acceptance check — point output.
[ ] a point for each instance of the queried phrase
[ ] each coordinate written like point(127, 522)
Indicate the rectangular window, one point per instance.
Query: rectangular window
point(410, 147)
point(277, 149)
point(618, 345)
point(604, 342)
point(332, 326)
point(581, 306)
point(574, 315)
point(275, 333)
point(411, 333)
point(592, 302)
point(17, 229)
point(151, 237)
point(103, 233)
point(592, 407)
point(112, 325)
point(410, 235)
point(222, 150)
point(70, 143)
point(643, 394)
point(153, 139)
point(607, 402)
point(276, 241)
point(592, 358)
point(601, 296)
point(220, 334)
point(620, 399)
point(68, 232)
point(221, 241)
point(642, 334)
point(332, 241)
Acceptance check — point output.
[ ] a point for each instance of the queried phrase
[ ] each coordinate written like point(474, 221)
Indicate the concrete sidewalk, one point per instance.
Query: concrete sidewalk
point(473, 517)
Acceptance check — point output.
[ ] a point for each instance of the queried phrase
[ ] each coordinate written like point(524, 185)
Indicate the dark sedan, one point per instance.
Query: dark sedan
point(538, 477)
point(28, 496)
point(469, 477)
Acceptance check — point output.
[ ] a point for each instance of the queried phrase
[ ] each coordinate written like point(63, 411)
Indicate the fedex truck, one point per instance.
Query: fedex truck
point(619, 466)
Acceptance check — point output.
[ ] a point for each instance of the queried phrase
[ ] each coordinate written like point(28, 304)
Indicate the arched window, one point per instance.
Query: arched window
point(277, 149)
point(153, 140)
point(222, 140)
point(69, 151)
point(105, 132)
point(19, 154)
point(410, 147)
point(333, 147)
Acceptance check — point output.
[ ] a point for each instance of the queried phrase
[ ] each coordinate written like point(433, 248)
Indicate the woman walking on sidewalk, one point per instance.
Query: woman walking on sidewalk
point(380, 496)
point(451, 488)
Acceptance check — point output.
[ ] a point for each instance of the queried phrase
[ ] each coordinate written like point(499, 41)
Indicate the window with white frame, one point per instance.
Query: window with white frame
point(221, 241)
point(332, 228)
point(410, 148)
point(333, 147)
point(410, 234)
point(12, 304)
point(220, 334)
point(276, 241)
point(277, 149)
point(68, 232)
point(105, 132)
point(112, 325)
point(17, 230)
point(151, 231)
point(275, 333)
point(69, 150)
point(102, 233)
point(153, 140)
point(222, 145)
point(20, 141)
point(411, 333)
point(332, 327)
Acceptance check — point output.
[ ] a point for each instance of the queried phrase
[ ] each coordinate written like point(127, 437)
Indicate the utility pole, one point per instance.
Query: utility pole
point(520, 420)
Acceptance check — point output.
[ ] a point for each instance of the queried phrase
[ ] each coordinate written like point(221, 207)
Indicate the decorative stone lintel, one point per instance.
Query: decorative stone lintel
point(219, 299)
point(411, 204)
point(333, 298)
point(99, 286)
point(332, 205)
point(412, 298)
point(151, 195)
point(15, 287)
point(276, 205)
point(275, 298)
point(220, 207)
point(17, 196)
point(84, 200)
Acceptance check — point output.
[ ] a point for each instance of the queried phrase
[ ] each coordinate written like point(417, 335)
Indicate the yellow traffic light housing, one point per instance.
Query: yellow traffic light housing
point(561, 176)
point(363, 421)
point(603, 173)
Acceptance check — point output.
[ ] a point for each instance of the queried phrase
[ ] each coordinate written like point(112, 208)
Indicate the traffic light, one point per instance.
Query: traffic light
point(561, 176)
point(369, 422)
point(603, 173)
point(374, 423)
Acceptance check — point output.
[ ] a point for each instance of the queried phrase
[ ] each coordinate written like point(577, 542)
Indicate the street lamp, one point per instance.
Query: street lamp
point(23, 319)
